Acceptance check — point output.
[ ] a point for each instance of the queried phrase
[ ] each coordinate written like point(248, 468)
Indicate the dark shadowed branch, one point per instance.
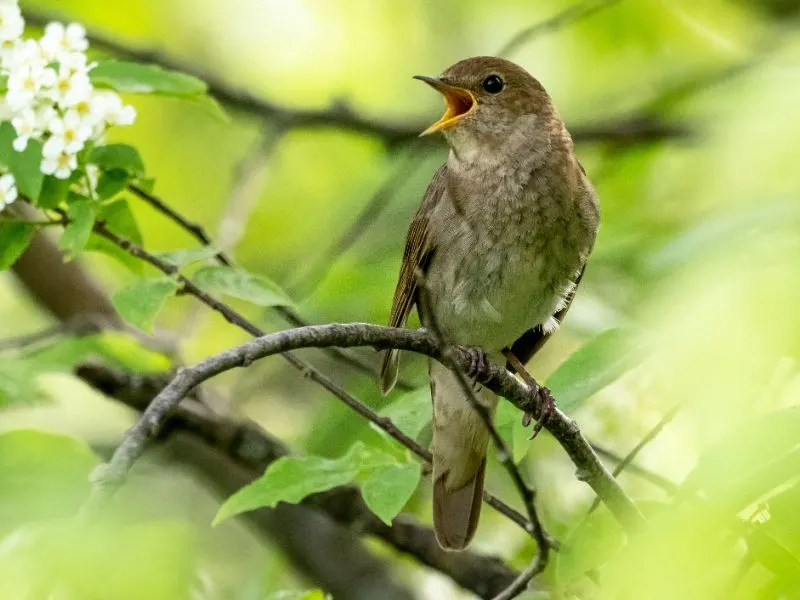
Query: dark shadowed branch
point(495, 378)
point(68, 292)
point(341, 115)
point(239, 446)
point(304, 367)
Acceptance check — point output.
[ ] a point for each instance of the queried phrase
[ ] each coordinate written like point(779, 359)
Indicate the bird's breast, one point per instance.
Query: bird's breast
point(495, 277)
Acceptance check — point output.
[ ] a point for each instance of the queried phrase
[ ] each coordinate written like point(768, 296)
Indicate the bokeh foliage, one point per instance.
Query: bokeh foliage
point(690, 298)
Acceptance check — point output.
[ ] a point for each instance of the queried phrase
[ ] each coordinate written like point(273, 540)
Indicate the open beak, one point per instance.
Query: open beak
point(459, 102)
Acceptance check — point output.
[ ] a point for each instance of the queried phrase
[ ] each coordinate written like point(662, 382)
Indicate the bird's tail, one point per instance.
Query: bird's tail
point(459, 446)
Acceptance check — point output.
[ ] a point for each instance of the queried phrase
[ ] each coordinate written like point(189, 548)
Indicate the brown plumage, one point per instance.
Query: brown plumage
point(502, 236)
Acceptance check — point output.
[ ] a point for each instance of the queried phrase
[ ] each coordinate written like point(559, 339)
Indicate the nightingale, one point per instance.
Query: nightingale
point(500, 242)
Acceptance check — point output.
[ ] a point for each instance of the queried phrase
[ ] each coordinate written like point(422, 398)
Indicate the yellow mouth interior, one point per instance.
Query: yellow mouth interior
point(459, 103)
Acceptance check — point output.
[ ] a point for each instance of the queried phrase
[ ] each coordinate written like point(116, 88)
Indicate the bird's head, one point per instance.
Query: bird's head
point(487, 101)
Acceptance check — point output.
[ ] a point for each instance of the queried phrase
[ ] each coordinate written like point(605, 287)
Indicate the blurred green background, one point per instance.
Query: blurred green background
point(697, 262)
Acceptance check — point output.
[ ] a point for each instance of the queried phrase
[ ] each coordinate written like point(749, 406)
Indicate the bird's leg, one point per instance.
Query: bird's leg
point(478, 364)
point(548, 403)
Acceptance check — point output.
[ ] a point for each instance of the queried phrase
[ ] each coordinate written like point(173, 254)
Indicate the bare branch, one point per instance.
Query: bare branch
point(305, 368)
point(287, 313)
point(536, 530)
point(243, 445)
point(496, 378)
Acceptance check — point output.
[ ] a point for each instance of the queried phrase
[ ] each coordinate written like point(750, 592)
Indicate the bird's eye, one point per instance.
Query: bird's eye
point(493, 84)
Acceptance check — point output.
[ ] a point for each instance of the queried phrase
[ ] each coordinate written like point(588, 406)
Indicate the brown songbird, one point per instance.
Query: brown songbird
point(502, 237)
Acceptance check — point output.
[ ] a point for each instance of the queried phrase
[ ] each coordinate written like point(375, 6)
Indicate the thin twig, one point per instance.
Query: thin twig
point(496, 378)
point(248, 179)
point(305, 368)
point(289, 314)
point(527, 493)
point(665, 484)
point(631, 456)
point(571, 15)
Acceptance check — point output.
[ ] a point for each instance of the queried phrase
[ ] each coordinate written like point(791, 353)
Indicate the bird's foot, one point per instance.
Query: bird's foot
point(548, 408)
point(479, 364)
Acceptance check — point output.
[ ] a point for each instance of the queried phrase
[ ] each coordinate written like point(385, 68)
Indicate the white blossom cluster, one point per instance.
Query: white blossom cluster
point(50, 97)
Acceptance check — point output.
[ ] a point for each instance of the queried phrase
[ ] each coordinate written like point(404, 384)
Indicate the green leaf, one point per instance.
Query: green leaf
point(181, 258)
point(591, 368)
point(119, 219)
point(121, 157)
point(411, 412)
point(18, 382)
point(292, 478)
point(54, 192)
point(140, 303)
point(42, 475)
point(137, 78)
point(241, 284)
point(387, 490)
point(24, 166)
point(14, 240)
point(82, 214)
point(111, 183)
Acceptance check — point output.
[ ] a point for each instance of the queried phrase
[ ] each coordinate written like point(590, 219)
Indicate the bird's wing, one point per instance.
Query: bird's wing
point(417, 254)
point(530, 342)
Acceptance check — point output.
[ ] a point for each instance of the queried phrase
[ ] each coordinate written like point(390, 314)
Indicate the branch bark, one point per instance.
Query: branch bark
point(496, 378)
point(233, 453)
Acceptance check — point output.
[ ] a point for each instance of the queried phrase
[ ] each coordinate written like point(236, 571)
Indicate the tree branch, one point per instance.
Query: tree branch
point(305, 368)
point(496, 378)
point(287, 313)
point(625, 131)
point(70, 293)
point(246, 446)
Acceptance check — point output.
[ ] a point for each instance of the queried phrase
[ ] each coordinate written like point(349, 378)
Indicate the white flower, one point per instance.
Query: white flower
point(67, 88)
point(114, 112)
point(56, 160)
point(11, 22)
point(76, 62)
point(26, 53)
point(92, 109)
point(70, 131)
point(59, 40)
point(8, 190)
point(24, 84)
point(26, 126)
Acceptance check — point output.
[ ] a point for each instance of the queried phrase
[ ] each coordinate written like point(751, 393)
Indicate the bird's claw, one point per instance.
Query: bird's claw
point(548, 408)
point(479, 364)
